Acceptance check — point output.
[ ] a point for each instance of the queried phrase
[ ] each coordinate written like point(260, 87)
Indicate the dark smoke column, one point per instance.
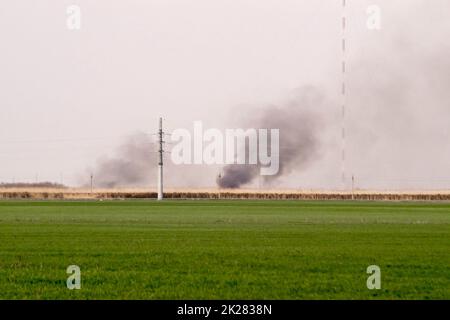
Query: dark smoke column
point(298, 125)
point(236, 175)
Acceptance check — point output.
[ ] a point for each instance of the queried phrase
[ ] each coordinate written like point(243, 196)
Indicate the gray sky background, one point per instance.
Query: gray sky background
point(69, 98)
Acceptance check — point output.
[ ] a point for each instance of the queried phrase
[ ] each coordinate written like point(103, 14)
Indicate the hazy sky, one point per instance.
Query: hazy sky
point(70, 97)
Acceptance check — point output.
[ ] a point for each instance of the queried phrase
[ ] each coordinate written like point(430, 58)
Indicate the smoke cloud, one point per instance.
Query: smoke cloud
point(236, 175)
point(299, 136)
point(130, 166)
point(134, 164)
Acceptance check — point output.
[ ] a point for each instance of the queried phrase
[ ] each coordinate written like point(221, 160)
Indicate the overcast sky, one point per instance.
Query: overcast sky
point(69, 97)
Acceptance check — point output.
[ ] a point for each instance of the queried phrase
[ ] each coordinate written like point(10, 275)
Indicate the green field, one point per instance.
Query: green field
point(224, 249)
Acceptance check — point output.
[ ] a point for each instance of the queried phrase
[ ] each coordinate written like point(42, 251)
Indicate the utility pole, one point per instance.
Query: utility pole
point(160, 161)
point(92, 182)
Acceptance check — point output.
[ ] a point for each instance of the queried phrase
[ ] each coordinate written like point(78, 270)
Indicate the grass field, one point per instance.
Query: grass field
point(224, 249)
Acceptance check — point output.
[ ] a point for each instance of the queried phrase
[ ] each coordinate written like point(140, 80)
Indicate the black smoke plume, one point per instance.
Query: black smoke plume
point(299, 129)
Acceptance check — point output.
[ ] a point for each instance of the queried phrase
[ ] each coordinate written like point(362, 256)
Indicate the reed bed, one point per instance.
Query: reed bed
point(141, 193)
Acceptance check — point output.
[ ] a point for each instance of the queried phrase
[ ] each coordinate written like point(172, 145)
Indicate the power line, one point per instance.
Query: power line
point(71, 139)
